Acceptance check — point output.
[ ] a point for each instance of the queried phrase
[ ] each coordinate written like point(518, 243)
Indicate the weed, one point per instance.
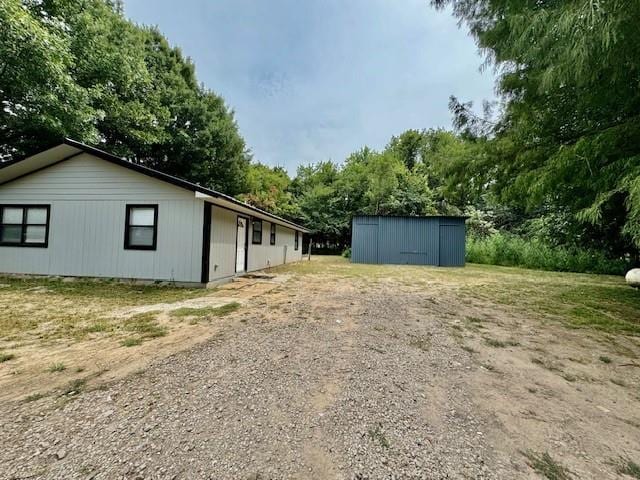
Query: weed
point(5, 357)
point(492, 342)
point(604, 359)
point(145, 324)
point(378, 435)
point(74, 387)
point(628, 467)
point(131, 342)
point(33, 397)
point(97, 327)
point(57, 367)
point(547, 466)
point(206, 311)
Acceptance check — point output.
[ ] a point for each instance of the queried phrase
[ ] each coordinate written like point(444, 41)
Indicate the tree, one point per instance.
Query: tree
point(569, 134)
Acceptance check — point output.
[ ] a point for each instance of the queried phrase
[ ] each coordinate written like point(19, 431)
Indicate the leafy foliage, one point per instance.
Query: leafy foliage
point(80, 69)
point(567, 138)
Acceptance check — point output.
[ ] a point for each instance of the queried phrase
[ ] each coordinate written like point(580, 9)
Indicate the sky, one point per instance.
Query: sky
point(313, 80)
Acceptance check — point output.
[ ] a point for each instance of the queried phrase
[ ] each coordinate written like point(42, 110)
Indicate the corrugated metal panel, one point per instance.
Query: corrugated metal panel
point(364, 240)
point(452, 240)
point(408, 240)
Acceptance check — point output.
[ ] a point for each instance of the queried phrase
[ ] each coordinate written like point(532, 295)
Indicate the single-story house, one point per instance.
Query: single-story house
point(407, 240)
point(75, 210)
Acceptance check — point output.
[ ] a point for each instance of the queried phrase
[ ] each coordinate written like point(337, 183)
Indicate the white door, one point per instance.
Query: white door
point(241, 245)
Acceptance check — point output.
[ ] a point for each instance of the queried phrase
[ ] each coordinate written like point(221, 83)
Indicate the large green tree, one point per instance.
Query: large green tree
point(568, 137)
point(81, 69)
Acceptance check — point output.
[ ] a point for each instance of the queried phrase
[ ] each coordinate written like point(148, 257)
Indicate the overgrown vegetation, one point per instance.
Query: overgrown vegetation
point(515, 251)
point(546, 466)
point(629, 467)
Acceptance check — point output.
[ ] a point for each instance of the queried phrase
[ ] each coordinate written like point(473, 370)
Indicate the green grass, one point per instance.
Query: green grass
point(5, 357)
point(377, 435)
point(604, 359)
point(514, 251)
point(145, 324)
point(204, 312)
point(546, 466)
point(131, 342)
point(628, 467)
point(33, 397)
point(57, 367)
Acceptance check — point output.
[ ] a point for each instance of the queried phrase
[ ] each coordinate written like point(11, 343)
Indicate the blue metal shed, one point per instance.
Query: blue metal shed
point(434, 240)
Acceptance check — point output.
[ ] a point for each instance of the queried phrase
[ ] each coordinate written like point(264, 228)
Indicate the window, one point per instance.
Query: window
point(141, 227)
point(272, 237)
point(297, 241)
point(256, 232)
point(24, 225)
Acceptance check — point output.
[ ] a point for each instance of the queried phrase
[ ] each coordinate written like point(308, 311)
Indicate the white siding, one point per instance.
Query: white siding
point(265, 255)
point(86, 236)
point(223, 245)
point(222, 256)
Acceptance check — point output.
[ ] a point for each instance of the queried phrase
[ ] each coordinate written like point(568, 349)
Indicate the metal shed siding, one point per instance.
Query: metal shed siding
point(88, 199)
point(408, 240)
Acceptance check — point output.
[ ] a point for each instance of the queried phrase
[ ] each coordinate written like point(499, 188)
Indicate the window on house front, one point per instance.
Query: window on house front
point(297, 241)
point(141, 227)
point(256, 232)
point(24, 225)
point(272, 237)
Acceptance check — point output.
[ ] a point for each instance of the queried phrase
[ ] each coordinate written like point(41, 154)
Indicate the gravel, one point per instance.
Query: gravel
point(341, 379)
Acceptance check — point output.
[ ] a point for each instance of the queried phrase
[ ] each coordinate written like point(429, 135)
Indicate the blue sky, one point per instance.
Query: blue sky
point(314, 80)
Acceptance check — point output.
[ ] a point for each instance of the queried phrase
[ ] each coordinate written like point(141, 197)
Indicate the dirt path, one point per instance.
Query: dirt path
point(339, 378)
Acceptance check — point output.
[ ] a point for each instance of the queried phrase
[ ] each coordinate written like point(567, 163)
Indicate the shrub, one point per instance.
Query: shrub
point(514, 251)
point(347, 252)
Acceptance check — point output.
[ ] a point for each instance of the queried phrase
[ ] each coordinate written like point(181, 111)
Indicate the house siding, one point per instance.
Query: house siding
point(222, 256)
point(88, 199)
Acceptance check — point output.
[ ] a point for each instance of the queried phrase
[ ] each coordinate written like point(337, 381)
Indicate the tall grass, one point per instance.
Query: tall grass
point(514, 251)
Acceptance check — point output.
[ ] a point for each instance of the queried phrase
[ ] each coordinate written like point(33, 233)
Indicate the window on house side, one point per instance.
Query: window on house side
point(256, 232)
point(141, 227)
point(24, 225)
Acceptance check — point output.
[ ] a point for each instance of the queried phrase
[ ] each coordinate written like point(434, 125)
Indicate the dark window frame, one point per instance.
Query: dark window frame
point(296, 243)
point(272, 234)
point(127, 226)
point(24, 225)
point(255, 241)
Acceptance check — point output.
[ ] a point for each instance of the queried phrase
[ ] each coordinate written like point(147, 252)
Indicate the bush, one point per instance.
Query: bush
point(347, 252)
point(514, 251)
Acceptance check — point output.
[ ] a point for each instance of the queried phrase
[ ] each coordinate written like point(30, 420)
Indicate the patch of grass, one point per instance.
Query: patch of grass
point(98, 327)
point(145, 324)
point(629, 467)
point(75, 387)
point(492, 342)
point(547, 466)
point(5, 357)
point(604, 359)
point(205, 312)
point(57, 367)
point(131, 342)
point(33, 397)
point(377, 434)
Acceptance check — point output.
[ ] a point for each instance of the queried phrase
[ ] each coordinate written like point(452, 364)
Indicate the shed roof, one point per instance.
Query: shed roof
point(69, 148)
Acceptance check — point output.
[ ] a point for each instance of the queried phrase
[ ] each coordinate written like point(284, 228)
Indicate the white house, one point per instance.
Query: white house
point(74, 210)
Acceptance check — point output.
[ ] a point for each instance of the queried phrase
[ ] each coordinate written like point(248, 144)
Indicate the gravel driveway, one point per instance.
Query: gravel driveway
point(344, 379)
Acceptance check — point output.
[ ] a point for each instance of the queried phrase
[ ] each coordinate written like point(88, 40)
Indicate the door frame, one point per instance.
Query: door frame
point(246, 244)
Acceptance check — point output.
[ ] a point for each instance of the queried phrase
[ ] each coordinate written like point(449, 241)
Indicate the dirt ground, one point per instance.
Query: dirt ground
point(347, 372)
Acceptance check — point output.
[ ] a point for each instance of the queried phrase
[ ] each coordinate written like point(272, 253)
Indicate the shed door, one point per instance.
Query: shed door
point(241, 245)
point(451, 245)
